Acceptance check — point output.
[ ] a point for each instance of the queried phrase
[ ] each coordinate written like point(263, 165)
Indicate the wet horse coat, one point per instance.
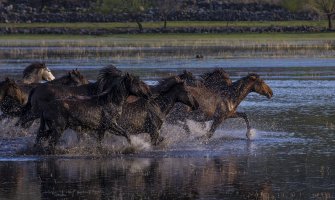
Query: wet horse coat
point(98, 113)
point(147, 116)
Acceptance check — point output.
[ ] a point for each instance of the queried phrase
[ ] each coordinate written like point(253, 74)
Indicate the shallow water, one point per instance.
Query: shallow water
point(290, 157)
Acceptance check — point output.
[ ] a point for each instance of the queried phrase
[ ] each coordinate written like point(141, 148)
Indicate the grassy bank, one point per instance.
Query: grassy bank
point(159, 40)
point(172, 24)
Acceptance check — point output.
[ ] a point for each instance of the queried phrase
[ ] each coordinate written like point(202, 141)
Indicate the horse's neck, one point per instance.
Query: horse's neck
point(166, 102)
point(239, 91)
point(34, 77)
point(87, 89)
point(30, 80)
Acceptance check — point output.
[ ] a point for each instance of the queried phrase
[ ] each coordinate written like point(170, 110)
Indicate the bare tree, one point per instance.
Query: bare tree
point(326, 7)
point(167, 8)
point(134, 8)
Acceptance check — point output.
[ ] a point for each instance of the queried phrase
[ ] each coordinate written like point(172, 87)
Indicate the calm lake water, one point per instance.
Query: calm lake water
point(291, 157)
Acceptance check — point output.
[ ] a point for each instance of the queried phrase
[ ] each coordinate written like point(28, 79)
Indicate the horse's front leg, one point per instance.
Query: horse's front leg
point(246, 119)
point(41, 132)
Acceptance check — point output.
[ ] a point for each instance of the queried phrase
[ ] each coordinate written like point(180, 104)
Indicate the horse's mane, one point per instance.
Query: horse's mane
point(164, 85)
point(218, 80)
point(189, 79)
point(116, 89)
point(218, 76)
point(31, 68)
point(240, 84)
point(106, 76)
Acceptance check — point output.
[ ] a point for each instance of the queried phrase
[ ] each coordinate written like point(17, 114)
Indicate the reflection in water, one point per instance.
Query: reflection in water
point(228, 177)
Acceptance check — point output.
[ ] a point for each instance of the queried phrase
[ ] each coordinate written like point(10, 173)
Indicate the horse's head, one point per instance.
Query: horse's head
point(37, 72)
point(46, 73)
point(259, 86)
point(136, 87)
point(9, 88)
point(75, 78)
point(184, 95)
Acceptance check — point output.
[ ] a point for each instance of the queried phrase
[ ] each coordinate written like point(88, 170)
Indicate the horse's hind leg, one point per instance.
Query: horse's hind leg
point(55, 135)
point(216, 123)
point(152, 127)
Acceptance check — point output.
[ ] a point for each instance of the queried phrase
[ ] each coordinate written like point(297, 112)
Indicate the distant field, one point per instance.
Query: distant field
point(172, 24)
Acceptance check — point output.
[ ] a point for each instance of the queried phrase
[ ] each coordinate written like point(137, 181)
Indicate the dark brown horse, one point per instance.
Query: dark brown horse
point(72, 78)
point(98, 113)
point(147, 116)
point(216, 107)
point(12, 98)
point(37, 72)
point(45, 93)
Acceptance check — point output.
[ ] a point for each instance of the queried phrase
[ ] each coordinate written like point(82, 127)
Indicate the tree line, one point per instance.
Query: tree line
point(136, 8)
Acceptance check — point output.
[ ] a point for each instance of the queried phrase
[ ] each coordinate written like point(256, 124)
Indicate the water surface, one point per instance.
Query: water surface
point(291, 157)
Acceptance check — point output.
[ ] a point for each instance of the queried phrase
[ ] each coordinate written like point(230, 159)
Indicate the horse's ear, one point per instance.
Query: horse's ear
point(253, 77)
point(7, 79)
point(69, 73)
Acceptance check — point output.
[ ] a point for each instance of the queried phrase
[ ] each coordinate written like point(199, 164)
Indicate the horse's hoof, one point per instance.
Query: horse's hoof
point(251, 134)
point(158, 141)
point(203, 138)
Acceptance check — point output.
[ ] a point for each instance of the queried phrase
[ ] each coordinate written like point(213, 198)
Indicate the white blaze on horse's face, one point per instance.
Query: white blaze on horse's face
point(47, 75)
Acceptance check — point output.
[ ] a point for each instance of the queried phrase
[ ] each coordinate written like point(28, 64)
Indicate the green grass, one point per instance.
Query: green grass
point(174, 24)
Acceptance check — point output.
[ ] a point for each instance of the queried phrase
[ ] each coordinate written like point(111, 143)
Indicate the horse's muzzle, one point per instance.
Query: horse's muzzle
point(269, 94)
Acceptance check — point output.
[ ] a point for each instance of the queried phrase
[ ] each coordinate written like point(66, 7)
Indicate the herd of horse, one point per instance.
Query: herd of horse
point(121, 103)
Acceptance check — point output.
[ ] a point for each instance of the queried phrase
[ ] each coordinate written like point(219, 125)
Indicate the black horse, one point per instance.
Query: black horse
point(98, 113)
point(11, 107)
point(72, 78)
point(147, 116)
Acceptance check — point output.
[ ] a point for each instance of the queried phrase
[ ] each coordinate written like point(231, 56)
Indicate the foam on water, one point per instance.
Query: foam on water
point(8, 129)
point(19, 141)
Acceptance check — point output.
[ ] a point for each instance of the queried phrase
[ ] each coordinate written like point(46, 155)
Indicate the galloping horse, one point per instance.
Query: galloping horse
point(99, 113)
point(221, 107)
point(37, 72)
point(147, 116)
